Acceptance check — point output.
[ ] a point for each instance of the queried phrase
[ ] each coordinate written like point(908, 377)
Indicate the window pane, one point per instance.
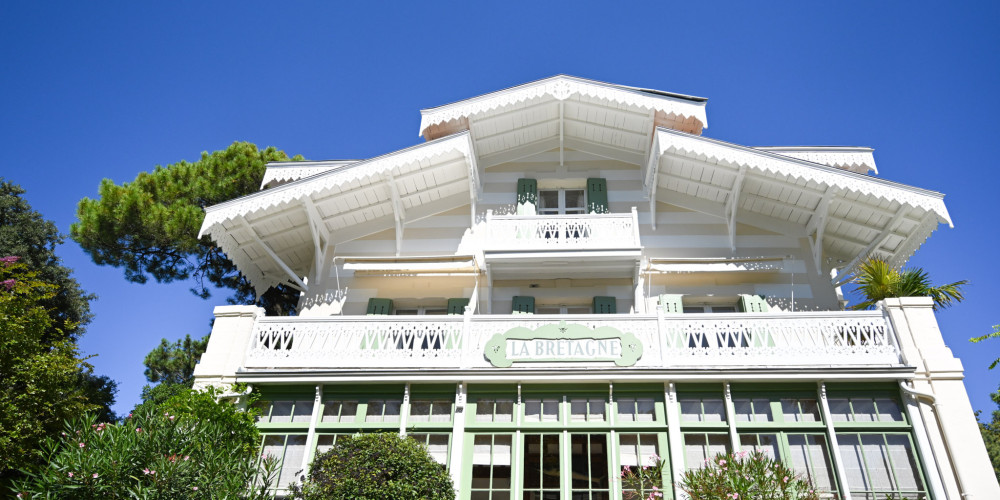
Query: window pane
point(644, 410)
point(420, 411)
point(626, 410)
point(291, 465)
point(303, 411)
point(764, 443)
point(904, 462)
point(743, 410)
point(578, 410)
point(596, 410)
point(375, 410)
point(876, 456)
point(441, 411)
point(392, 411)
point(800, 410)
point(850, 451)
point(840, 410)
point(281, 411)
point(504, 411)
point(690, 410)
point(888, 410)
point(548, 201)
point(864, 410)
point(484, 410)
point(574, 199)
point(810, 459)
point(715, 411)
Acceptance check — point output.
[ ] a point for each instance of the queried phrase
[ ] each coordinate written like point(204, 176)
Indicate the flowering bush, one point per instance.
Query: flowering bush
point(745, 476)
point(376, 466)
point(643, 482)
point(190, 447)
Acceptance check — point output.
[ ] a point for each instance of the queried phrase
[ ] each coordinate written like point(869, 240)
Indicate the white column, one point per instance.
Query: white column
point(831, 438)
point(458, 437)
point(734, 439)
point(674, 436)
point(404, 410)
point(307, 457)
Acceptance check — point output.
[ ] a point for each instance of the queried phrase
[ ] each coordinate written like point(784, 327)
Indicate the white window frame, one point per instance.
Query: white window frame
point(562, 209)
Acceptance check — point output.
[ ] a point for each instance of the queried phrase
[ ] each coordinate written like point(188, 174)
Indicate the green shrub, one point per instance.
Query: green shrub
point(745, 476)
point(376, 466)
point(189, 447)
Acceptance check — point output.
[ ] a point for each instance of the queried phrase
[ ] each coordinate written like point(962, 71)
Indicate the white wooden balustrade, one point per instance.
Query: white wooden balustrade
point(562, 232)
point(688, 340)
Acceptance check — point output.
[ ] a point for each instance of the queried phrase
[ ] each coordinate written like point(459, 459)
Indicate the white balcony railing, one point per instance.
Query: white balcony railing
point(668, 341)
point(562, 232)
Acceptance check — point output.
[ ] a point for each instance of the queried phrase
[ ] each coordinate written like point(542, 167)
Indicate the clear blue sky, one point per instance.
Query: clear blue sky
point(108, 89)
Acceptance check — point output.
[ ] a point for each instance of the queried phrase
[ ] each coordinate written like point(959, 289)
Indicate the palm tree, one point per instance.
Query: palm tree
point(877, 280)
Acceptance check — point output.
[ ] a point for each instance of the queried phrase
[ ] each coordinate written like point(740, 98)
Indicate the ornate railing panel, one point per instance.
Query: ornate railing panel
point(691, 340)
point(778, 339)
point(562, 232)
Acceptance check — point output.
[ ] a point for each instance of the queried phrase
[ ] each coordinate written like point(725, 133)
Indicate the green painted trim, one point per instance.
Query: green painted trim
point(496, 347)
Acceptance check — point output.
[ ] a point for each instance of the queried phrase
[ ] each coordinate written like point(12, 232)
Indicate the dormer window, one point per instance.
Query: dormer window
point(561, 201)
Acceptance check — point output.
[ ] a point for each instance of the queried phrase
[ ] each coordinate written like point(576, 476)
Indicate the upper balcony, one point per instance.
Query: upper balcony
point(595, 341)
point(610, 242)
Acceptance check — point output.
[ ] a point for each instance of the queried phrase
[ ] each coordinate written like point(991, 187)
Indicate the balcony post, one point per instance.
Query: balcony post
point(635, 226)
point(227, 345)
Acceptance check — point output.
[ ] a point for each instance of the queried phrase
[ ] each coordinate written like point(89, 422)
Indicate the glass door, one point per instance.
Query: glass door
point(589, 467)
point(542, 467)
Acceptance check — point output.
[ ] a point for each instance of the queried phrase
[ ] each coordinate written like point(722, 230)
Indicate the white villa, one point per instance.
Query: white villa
point(567, 277)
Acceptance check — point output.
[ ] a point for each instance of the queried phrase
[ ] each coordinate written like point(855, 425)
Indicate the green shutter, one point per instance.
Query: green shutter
point(527, 191)
point(752, 303)
point(379, 306)
point(523, 304)
point(671, 303)
point(597, 196)
point(605, 305)
point(457, 306)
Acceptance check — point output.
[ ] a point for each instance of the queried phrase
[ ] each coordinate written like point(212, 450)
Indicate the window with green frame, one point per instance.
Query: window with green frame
point(703, 423)
point(880, 465)
point(438, 445)
point(491, 476)
point(784, 422)
point(289, 450)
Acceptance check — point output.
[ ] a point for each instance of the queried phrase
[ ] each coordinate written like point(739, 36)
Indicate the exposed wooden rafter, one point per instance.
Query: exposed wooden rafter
point(887, 231)
point(733, 205)
point(297, 282)
point(320, 235)
point(397, 211)
point(817, 225)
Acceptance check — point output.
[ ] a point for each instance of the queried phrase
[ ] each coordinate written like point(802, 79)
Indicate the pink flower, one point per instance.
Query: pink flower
point(722, 461)
point(186, 457)
point(785, 479)
point(195, 488)
point(171, 417)
point(82, 445)
point(145, 471)
point(129, 415)
point(70, 474)
point(95, 475)
point(138, 429)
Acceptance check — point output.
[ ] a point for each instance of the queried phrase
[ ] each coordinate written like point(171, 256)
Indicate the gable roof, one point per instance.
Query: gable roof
point(668, 109)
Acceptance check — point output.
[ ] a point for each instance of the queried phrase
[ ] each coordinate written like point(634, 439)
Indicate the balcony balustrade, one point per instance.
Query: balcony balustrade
point(562, 232)
point(668, 341)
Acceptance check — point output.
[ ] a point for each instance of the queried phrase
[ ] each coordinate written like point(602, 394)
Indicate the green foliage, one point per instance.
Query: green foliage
point(174, 363)
point(149, 227)
point(190, 447)
point(993, 335)
point(745, 476)
point(644, 483)
point(877, 280)
point(991, 435)
point(376, 466)
point(23, 232)
point(41, 382)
